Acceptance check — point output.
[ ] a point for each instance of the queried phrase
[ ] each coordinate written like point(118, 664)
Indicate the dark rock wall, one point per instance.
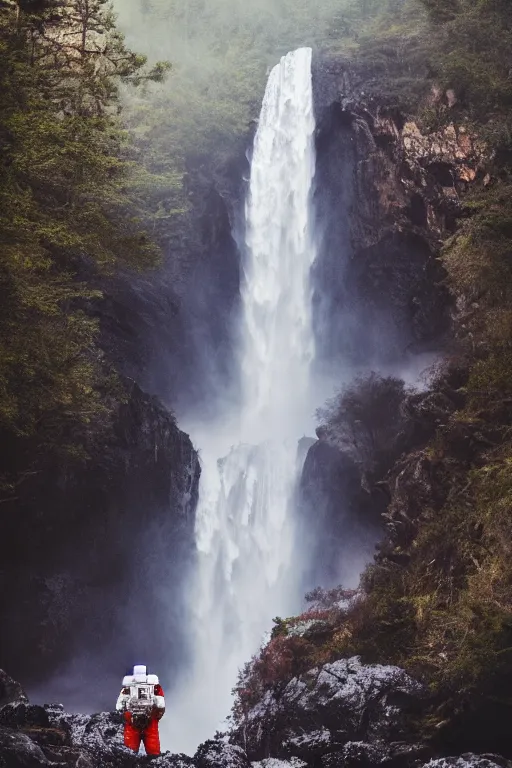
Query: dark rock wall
point(378, 293)
point(334, 198)
point(95, 554)
point(172, 329)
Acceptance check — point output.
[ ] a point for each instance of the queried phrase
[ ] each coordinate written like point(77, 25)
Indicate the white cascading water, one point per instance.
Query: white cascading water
point(246, 572)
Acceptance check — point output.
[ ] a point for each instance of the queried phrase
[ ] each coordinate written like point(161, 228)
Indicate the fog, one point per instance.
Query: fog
point(221, 52)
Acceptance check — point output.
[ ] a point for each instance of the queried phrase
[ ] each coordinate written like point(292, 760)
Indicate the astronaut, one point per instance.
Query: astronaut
point(142, 703)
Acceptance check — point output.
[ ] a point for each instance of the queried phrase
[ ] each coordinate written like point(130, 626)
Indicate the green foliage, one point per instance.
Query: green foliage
point(70, 208)
point(471, 53)
point(477, 260)
point(441, 10)
point(223, 49)
point(454, 595)
point(222, 52)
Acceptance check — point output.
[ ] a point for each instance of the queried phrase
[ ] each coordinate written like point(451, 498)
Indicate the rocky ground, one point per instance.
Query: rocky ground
point(342, 715)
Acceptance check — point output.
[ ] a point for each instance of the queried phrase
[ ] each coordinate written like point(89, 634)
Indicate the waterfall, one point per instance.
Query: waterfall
point(248, 565)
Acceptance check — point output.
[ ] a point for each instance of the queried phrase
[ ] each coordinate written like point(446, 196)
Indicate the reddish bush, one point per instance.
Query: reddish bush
point(288, 654)
point(313, 614)
point(280, 660)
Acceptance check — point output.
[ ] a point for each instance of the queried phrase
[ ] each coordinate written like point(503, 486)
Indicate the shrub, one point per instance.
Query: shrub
point(366, 421)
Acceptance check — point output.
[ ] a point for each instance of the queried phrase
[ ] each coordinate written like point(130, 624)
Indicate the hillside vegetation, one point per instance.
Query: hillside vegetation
point(222, 52)
point(73, 206)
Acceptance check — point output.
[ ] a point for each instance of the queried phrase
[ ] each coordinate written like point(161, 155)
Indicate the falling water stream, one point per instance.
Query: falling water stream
point(248, 567)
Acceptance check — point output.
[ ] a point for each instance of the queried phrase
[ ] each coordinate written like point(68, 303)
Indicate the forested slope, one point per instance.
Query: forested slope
point(87, 459)
point(73, 205)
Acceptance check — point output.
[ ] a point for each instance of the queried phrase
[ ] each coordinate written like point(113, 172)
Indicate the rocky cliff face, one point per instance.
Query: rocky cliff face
point(387, 195)
point(109, 541)
point(330, 711)
point(172, 329)
point(95, 553)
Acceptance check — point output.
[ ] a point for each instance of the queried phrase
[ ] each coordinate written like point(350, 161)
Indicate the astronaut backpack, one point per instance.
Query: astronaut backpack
point(141, 701)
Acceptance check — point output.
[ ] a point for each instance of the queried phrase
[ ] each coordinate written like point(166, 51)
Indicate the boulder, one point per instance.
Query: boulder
point(273, 762)
point(102, 731)
point(216, 753)
point(168, 760)
point(18, 714)
point(17, 750)
point(321, 711)
point(469, 760)
point(358, 754)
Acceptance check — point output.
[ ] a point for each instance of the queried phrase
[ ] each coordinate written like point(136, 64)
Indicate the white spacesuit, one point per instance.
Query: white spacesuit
point(142, 702)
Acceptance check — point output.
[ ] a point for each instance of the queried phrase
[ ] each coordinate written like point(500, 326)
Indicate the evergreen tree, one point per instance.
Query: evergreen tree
point(68, 210)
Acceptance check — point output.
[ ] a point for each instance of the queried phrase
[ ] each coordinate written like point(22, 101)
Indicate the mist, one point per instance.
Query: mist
point(221, 54)
point(248, 556)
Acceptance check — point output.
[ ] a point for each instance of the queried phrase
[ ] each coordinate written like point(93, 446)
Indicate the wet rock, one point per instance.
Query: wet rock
point(17, 750)
point(168, 760)
point(272, 762)
point(357, 754)
point(76, 741)
point(470, 760)
point(102, 731)
point(339, 520)
point(99, 737)
point(47, 737)
point(310, 744)
point(361, 754)
point(20, 714)
point(39, 737)
point(10, 690)
point(327, 707)
point(218, 754)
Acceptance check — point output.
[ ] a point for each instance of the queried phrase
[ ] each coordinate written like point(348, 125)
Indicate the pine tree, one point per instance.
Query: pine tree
point(68, 211)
